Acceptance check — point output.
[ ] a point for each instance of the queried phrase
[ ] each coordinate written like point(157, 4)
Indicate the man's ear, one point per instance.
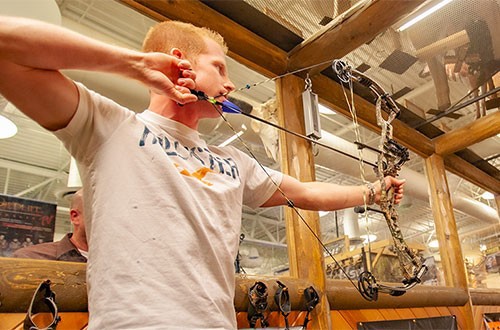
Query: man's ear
point(74, 216)
point(177, 53)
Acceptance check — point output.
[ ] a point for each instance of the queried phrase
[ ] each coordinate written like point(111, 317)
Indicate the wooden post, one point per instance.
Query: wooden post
point(446, 230)
point(304, 251)
point(497, 200)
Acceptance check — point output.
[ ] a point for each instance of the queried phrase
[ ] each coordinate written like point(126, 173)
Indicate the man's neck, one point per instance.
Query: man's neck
point(78, 242)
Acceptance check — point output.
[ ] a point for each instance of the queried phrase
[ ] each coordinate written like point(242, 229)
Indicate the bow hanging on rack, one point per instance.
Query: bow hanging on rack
point(391, 157)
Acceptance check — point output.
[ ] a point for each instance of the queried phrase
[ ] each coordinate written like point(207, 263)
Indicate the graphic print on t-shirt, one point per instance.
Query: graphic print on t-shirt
point(198, 174)
point(210, 163)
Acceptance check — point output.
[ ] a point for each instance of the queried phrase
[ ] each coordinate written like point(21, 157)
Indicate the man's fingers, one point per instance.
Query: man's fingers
point(188, 74)
point(184, 65)
point(183, 95)
point(186, 82)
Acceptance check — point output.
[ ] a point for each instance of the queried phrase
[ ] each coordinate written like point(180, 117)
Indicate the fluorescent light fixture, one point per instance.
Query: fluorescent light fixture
point(324, 110)
point(74, 180)
point(368, 238)
point(234, 137)
point(423, 15)
point(7, 128)
point(434, 244)
point(488, 195)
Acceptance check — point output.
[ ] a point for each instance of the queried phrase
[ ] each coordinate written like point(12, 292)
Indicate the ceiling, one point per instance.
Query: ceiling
point(33, 164)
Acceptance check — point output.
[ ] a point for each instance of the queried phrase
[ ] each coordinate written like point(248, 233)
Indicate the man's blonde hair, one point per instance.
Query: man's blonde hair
point(187, 37)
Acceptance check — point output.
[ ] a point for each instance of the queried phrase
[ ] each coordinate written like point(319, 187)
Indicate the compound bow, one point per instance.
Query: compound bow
point(391, 156)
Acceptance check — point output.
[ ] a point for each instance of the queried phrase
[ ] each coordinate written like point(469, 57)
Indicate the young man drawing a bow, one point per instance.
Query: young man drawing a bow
point(165, 207)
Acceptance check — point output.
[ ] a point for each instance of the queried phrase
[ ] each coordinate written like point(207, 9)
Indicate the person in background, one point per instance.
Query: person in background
point(4, 245)
point(72, 247)
point(27, 242)
point(164, 207)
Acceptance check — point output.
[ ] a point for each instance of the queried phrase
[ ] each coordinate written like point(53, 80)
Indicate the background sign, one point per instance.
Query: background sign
point(24, 222)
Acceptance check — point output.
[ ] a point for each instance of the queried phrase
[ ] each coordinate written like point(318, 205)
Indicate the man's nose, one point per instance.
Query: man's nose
point(229, 86)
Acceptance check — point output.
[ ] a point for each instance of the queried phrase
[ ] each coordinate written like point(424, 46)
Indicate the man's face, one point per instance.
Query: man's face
point(212, 76)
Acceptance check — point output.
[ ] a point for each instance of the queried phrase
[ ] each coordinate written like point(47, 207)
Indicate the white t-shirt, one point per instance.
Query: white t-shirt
point(163, 216)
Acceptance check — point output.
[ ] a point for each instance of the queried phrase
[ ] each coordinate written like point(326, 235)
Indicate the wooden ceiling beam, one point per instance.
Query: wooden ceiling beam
point(244, 46)
point(338, 40)
point(467, 135)
point(471, 173)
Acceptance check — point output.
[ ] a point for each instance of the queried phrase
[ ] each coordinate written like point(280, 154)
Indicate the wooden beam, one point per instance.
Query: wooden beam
point(450, 249)
point(244, 45)
point(338, 40)
point(497, 201)
point(441, 46)
point(465, 136)
point(446, 228)
point(469, 172)
point(331, 94)
point(21, 277)
point(485, 297)
point(343, 295)
point(305, 253)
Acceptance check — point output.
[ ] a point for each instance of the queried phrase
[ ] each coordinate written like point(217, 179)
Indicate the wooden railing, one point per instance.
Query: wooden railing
point(20, 277)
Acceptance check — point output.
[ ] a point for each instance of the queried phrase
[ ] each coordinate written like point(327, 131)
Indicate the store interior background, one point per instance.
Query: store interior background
point(35, 165)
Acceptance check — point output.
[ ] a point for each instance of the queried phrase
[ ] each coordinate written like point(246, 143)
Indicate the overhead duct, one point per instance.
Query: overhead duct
point(250, 257)
point(351, 226)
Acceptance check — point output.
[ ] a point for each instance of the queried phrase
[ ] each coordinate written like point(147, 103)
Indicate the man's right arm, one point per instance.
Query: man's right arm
point(33, 52)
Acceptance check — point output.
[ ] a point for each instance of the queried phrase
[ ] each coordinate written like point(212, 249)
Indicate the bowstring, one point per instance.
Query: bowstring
point(288, 200)
point(352, 110)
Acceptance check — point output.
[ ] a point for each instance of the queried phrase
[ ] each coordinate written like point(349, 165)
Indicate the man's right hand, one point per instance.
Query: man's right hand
point(168, 75)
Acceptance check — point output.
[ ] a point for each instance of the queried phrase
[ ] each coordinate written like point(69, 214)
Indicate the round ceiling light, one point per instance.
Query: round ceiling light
point(7, 128)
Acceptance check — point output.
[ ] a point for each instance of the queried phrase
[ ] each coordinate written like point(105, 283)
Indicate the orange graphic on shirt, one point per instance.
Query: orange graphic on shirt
point(198, 174)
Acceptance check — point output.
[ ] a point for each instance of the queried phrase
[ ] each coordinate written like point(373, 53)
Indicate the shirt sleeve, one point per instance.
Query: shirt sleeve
point(260, 184)
point(95, 120)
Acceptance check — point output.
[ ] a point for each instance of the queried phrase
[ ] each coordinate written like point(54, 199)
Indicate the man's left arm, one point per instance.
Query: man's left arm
point(321, 196)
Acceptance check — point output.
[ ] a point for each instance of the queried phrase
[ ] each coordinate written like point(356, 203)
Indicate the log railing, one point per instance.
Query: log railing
point(20, 277)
